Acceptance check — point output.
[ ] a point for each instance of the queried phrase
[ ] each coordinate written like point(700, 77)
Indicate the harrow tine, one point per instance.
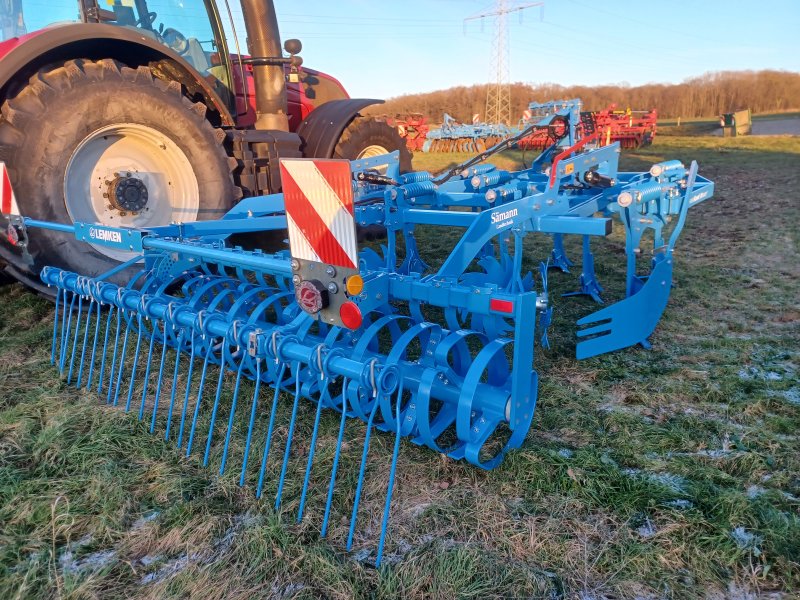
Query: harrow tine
point(174, 391)
point(199, 400)
point(232, 415)
point(147, 372)
point(55, 326)
point(160, 375)
point(94, 347)
point(111, 310)
point(75, 338)
point(289, 435)
point(214, 411)
point(312, 448)
point(361, 470)
point(132, 381)
point(65, 333)
point(89, 313)
point(188, 390)
point(268, 441)
point(392, 472)
point(252, 422)
point(111, 385)
point(335, 467)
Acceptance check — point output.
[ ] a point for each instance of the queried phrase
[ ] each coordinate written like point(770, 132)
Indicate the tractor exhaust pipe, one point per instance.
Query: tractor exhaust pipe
point(264, 41)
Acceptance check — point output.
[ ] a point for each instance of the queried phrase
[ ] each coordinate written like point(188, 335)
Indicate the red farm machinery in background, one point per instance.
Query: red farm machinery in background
point(631, 128)
point(412, 127)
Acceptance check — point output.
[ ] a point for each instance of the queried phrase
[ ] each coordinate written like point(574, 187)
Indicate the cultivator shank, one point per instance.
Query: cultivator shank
point(441, 356)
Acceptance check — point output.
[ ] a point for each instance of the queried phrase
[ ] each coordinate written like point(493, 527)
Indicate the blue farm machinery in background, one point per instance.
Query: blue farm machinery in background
point(441, 356)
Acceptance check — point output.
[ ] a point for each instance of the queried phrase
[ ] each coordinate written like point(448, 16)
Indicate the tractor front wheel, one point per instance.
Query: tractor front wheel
point(99, 142)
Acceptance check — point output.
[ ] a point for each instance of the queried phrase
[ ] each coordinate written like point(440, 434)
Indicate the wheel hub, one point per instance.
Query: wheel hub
point(127, 194)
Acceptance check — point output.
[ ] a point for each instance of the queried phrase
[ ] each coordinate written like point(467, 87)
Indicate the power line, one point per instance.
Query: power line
point(498, 93)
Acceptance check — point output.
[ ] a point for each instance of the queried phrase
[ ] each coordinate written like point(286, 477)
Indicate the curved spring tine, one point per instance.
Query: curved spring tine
point(111, 385)
point(361, 470)
point(121, 362)
point(268, 442)
point(65, 332)
point(199, 400)
point(55, 326)
point(132, 381)
point(75, 338)
point(188, 391)
point(147, 373)
point(94, 348)
point(214, 411)
point(160, 375)
point(89, 313)
point(232, 415)
point(104, 351)
point(289, 438)
point(392, 471)
point(312, 448)
point(335, 461)
point(174, 391)
point(252, 422)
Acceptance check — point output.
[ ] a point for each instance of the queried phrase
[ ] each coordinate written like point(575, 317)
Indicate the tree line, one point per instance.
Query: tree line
point(704, 96)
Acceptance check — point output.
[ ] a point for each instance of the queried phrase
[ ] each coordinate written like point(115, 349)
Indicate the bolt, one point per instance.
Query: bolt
point(330, 271)
point(295, 264)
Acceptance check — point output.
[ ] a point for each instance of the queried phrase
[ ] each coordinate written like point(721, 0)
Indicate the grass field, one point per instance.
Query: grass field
point(668, 473)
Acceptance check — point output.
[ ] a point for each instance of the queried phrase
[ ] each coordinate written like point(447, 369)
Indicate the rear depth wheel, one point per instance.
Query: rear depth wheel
point(101, 142)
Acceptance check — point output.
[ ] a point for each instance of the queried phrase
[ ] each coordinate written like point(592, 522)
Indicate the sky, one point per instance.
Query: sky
point(386, 48)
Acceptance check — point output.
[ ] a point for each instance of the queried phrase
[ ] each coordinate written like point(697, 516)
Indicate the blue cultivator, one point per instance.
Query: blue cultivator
point(453, 136)
point(441, 356)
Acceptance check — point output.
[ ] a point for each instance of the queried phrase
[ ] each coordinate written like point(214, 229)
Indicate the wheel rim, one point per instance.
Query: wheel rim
point(125, 156)
point(372, 151)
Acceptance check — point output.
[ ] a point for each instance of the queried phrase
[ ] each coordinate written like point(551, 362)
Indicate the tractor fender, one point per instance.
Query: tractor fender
point(321, 130)
point(22, 57)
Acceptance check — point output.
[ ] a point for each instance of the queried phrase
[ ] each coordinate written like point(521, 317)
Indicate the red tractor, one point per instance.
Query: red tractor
point(145, 112)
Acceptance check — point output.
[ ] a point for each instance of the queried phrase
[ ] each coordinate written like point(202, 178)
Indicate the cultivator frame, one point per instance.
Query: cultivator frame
point(442, 356)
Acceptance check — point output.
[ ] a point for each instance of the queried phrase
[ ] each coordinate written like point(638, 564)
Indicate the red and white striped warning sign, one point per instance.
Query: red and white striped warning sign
point(318, 196)
point(8, 202)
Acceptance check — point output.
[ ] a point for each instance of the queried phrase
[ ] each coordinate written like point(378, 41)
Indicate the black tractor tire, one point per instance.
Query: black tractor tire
point(363, 132)
point(45, 122)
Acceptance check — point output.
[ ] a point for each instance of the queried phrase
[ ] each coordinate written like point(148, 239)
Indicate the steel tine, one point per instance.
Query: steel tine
point(114, 359)
point(335, 467)
point(361, 470)
point(94, 347)
point(239, 372)
point(203, 374)
point(289, 436)
point(55, 326)
point(132, 381)
point(89, 313)
point(111, 310)
point(268, 441)
point(75, 338)
point(188, 389)
point(312, 448)
point(252, 421)
point(160, 375)
point(65, 333)
point(174, 390)
point(214, 412)
point(392, 472)
point(147, 372)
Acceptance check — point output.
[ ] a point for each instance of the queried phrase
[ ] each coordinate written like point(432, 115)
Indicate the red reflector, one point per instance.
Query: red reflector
point(506, 306)
point(350, 315)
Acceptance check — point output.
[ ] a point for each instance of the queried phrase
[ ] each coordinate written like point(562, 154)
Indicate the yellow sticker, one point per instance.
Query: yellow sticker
point(120, 2)
point(569, 169)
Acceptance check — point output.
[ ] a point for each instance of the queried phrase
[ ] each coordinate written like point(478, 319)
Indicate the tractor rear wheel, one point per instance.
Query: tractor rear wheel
point(96, 141)
point(367, 137)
